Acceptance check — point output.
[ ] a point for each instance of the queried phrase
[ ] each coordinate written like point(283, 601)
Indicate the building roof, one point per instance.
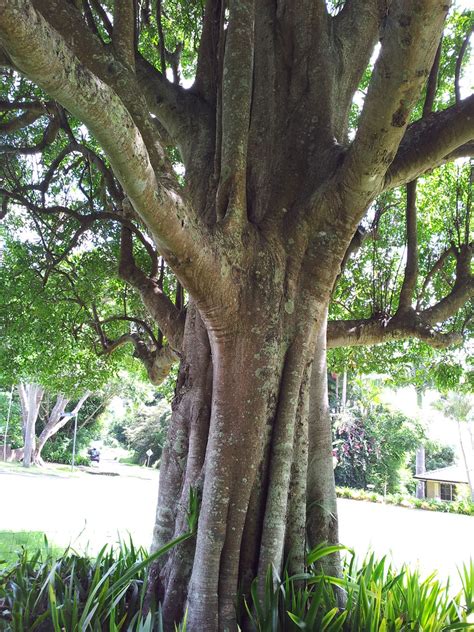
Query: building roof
point(451, 474)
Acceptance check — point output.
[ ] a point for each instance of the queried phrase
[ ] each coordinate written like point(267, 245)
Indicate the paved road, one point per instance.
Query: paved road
point(94, 509)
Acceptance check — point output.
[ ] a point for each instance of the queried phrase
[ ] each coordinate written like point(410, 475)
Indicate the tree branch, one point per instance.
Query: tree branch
point(411, 35)
point(42, 54)
point(351, 333)
point(158, 362)
point(123, 36)
point(236, 98)
point(49, 135)
point(463, 289)
point(457, 70)
point(435, 268)
point(432, 141)
point(355, 32)
point(410, 323)
point(411, 267)
point(168, 318)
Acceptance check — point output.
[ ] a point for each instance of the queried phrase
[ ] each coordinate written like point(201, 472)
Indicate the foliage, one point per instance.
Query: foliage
point(148, 431)
point(14, 437)
point(372, 445)
point(377, 598)
point(143, 421)
point(464, 506)
point(42, 592)
point(371, 281)
point(42, 337)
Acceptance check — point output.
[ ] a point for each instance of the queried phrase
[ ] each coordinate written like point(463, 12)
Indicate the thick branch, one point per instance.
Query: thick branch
point(168, 318)
point(236, 99)
point(31, 41)
point(411, 35)
point(124, 31)
point(352, 333)
point(158, 362)
point(356, 30)
point(411, 267)
point(432, 141)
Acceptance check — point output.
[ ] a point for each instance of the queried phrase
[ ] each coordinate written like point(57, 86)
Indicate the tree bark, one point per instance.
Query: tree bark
point(321, 497)
point(30, 401)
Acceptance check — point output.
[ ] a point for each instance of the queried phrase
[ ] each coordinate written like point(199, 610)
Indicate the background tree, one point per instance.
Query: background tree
point(460, 408)
point(373, 445)
point(273, 193)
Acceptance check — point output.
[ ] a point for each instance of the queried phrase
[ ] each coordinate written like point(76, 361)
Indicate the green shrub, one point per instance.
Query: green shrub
point(371, 597)
point(62, 453)
point(48, 594)
point(45, 593)
point(463, 506)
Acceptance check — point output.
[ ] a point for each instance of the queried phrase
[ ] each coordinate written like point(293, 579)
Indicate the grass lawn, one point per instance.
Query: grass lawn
point(11, 542)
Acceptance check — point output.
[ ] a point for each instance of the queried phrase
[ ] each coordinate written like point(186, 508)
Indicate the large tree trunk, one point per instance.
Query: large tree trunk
point(239, 437)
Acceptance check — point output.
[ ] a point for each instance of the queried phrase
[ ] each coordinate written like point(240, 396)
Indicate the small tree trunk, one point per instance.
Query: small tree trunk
point(420, 466)
point(466, 462)
point(58, 418)
point(30, 399)
point(420, 469)
point(56, 413)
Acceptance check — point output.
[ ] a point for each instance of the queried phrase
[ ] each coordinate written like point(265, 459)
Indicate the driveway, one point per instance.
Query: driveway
point(430, 539)
point(84, 510)
point(87, 510)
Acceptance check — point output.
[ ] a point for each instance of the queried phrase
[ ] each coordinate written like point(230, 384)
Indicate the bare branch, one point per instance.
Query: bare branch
point(99, 9)
point(462, 292)
point(161, 38)
point(435, 268)
point(49, 135)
